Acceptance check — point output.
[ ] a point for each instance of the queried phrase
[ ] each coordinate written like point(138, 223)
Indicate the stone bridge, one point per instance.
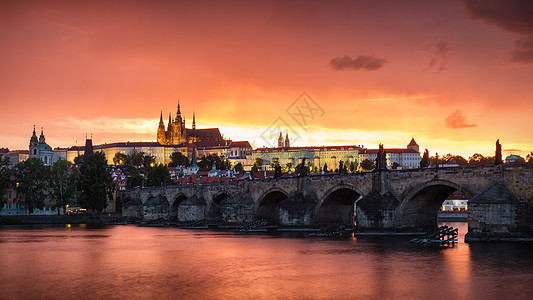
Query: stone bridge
point(387, 199)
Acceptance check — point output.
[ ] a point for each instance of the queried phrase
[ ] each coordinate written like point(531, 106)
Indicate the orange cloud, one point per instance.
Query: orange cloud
point(457, 121)
point(362, 62)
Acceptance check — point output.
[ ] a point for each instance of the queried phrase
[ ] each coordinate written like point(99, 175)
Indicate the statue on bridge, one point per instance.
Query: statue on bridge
point(498, 156)
point(381, 159)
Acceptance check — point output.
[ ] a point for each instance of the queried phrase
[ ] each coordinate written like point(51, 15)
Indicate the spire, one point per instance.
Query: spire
point(287, 143)
point(161, 118)
point(280, 140)
point(179, 112)
point(41, 137)
point(33, 138)
point(193, 158)
point(193, 121)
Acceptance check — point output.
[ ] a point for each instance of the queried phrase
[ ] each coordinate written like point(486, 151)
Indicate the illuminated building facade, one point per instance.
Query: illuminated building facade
point(316, 157)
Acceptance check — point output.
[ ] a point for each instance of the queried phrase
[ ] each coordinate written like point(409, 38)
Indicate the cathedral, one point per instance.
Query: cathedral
point(176, 133)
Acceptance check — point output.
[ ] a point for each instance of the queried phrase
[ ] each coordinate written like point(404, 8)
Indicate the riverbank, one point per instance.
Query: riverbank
point(102, 219)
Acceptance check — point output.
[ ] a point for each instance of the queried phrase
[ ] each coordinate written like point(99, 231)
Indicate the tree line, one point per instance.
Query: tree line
point(90, 184)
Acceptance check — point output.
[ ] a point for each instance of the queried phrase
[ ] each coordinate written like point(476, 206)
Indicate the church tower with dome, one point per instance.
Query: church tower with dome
point(40, 149)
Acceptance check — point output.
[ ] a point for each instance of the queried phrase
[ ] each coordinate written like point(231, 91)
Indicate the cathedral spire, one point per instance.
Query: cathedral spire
point(179, 112)
point(193, 121)
point(161, 118)
point(280, 140)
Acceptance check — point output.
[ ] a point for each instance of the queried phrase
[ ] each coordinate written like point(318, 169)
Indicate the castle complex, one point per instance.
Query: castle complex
point(176, 133)
point(190, 141)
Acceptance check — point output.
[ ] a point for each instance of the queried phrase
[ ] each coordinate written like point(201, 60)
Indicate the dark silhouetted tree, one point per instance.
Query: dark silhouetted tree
point(158, 176)
point(238, 168)
point(178, 159)
point(498, 154)
point(352, 167)
point(5, 184)
point(137, 158)
point(480, 160)
point(367, 165)
point(33, 183)
point(121, 159)
point(95, 184)
point(424, 162)
point(65, 178)
point(258, 164)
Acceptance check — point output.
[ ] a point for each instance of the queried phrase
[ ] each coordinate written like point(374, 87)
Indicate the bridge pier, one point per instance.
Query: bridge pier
point(376, 212)
point(493, 215)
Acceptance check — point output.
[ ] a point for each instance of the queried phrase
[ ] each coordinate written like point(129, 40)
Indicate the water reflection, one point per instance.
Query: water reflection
point(165, 263)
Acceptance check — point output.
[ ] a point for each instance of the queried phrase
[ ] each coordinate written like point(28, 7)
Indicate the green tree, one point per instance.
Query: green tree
point(238, 168)
point(121, 159)
point(479, 160)
point(454, 159)
point(5, 184)
point(158, 176)
point(258, 164)
point(424, 162)
point(4, 161)
point(368, 165)
point(137, 158)
point(148, 161)
point(135, 181)
point(78, 160)
point(178, 159)
point(207, 162)
point(64, 183)
point(352, 167)
point(95, 184)
point(33, 183)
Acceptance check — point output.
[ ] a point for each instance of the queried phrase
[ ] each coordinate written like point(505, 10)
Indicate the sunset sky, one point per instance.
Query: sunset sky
point(455, 75)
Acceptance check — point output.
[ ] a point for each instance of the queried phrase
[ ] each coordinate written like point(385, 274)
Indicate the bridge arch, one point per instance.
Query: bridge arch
point(156, 208)
point(421, 204)
point(150, 194)
point(174, 208)
point(214, 212)
point(337, 205)
point(267, 205)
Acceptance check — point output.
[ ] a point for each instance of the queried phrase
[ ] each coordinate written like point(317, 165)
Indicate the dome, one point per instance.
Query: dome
point(44, 147)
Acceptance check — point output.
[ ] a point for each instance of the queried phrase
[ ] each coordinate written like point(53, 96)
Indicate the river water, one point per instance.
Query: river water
point(128, 262)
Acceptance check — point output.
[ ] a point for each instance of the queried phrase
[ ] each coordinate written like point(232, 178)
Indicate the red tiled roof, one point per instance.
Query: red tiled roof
point(241, 144)
point(205, 133)
point(19, 152)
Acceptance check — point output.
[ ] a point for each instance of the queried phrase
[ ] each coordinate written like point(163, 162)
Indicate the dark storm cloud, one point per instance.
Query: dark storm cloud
point(440, 53)
point(457, 121)
point(515, 16)
point(362, 62)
